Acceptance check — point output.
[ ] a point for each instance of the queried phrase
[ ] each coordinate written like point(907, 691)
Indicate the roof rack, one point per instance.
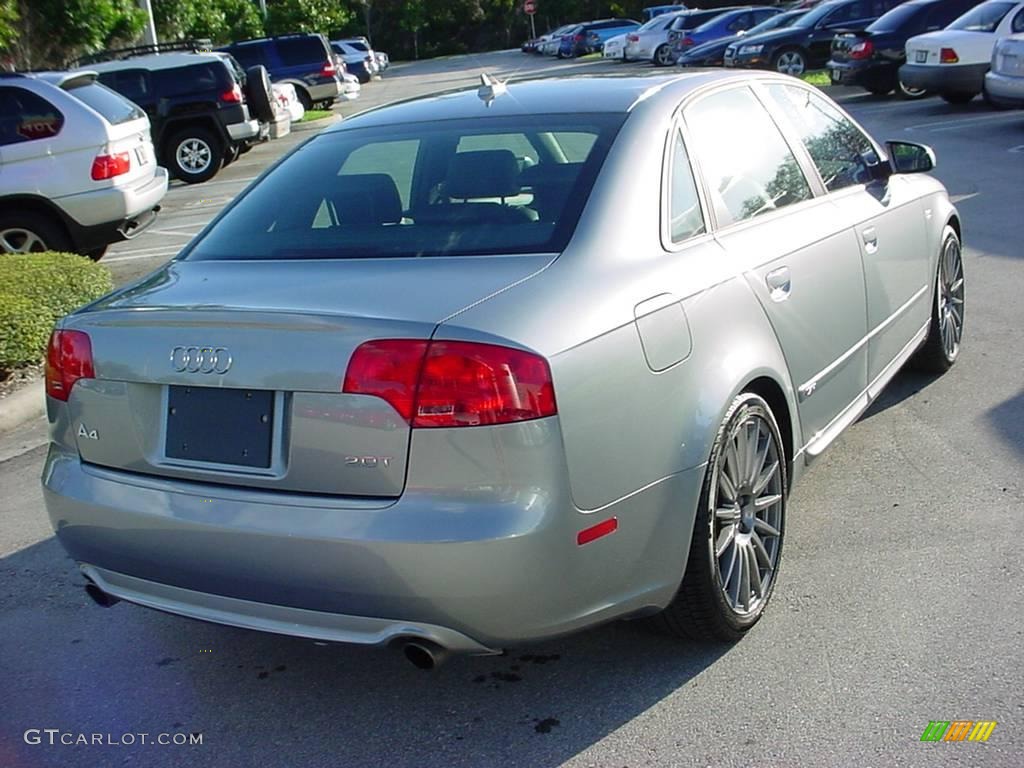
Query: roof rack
point(199, 45)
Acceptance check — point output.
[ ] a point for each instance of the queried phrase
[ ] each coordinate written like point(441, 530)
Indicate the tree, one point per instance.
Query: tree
point(8, 20)
point(327, 16)
point(49, 33)
point(219, 20)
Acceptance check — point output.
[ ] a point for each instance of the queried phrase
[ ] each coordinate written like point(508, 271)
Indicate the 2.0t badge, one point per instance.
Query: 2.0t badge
point(200, 359)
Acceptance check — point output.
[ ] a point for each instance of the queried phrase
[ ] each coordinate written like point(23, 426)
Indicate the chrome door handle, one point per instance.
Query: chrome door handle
point(870, 237)
point(779, 284)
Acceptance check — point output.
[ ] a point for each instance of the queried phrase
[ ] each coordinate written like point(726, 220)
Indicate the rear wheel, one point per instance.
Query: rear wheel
point(790, 62)
point(737, 535)
point(304, 98)
point(194, 154)
point(904, 91)
point(942, 346)
point(878, 90)
point(96, 253)
point(957, 97)
point(32, 232)
point(663, 56)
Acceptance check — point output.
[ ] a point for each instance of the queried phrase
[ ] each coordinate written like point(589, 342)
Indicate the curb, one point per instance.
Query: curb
point(22, 405)
point(315, 125)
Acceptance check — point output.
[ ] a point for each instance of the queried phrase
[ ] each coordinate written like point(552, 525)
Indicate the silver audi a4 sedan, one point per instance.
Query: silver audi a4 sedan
point(479, 369)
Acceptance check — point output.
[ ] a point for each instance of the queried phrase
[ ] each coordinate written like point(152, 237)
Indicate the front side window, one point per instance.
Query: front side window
point(299, 51)
point(685, 218)
point(746, 163)
point(483, 186)
point(1017, 25)
point(836, 145)
point(983, 18)
point(24, 116)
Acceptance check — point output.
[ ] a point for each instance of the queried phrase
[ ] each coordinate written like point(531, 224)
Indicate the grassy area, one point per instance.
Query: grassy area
point(315, 114)
point(818, 77)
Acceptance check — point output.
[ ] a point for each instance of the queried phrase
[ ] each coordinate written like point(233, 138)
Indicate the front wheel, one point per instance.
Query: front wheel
point(791, 62)
point(908, 93)
point(737, 536)
point(663, 56)
point(941, 348)
point(195, 155)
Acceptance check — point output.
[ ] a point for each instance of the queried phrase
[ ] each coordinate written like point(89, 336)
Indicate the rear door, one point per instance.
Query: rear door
point(30, 127)
point(800, 259)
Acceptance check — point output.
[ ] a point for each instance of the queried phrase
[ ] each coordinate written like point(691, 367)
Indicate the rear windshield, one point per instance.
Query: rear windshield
point(779, 21)
point(497, 185)
point(114, 107)
point(982, 18)
point(357, 45)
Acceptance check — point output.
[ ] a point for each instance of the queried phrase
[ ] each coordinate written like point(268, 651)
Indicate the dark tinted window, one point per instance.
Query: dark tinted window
point(836, 145)
point(693, 20)
point(1017, 25)
point(27, 117)
point(133, 84)
point(358, 45)
point(298, 51)
point(747, 165)
point(184, 81)
point(114, 107)
point(849, 12)
point(454, 187)
point(250, 55)
point(902, 17)
point(983, 18)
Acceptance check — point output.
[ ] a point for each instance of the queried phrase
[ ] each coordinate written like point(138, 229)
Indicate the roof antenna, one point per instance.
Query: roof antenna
point(489, 89)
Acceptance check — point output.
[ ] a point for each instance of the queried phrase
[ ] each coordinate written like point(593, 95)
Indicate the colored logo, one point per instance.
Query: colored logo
point(958, 730)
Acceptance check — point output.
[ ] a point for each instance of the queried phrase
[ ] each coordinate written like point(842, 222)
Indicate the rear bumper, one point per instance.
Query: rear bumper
point(1005, 89)
point(863, 73)
point(250, 129)
point(945, 78)
point(487, 563)
point(95, 219)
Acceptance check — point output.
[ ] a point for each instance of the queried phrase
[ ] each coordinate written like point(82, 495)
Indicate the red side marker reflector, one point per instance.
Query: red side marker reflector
point(588, 535)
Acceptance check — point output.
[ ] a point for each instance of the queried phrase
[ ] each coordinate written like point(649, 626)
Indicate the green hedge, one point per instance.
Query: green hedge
point(36, 289)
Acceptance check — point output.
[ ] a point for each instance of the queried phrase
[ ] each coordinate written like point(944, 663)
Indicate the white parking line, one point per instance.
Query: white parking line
point(206, 184)
point(941, 126)
point(168, 231)
point(1017, 150)
point(137, 256)
point(960, 198)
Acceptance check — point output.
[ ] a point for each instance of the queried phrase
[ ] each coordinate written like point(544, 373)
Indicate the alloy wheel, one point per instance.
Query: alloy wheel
point(951, 298)
point(193, 155)
point(21, 240)
point(790, 63)
point(748, 514)
point(663, 56)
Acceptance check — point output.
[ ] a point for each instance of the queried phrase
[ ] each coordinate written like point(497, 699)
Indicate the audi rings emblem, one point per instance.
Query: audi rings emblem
point(200, 359)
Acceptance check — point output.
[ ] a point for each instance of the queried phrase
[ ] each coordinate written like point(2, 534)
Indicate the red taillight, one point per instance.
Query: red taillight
point(687, 41)
point(633, 38)
point(862, 50)
point(948, 56)
point(453, 383)
point(328, 68)
point(68, 359)
point(578, 39)
point(234, 96)
point(109, 166)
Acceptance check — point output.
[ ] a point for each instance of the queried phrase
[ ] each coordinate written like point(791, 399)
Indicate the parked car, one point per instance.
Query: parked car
point(356, 63)
point(77, 166)
point(651, 41)
point(807, 43)
point(1004, 83)
point(548, 45)
point(711, 54)
point(304, 60)
point(726, 24)
point(378, 61)
point(953, 62)
point(589, 37)
point(204, 110)
point(288, 100)
point(358, 54)
point(685, 23)
point(285, 432)
point(653, 11)
point(615, 47)
point(871, 58)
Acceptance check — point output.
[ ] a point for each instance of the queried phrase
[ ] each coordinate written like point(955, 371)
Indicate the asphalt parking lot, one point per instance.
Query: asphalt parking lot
point(899, 600)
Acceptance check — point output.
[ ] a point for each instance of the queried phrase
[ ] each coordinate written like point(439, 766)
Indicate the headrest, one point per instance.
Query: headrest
point(487, 173)
point(550, 174)
point(367, 199)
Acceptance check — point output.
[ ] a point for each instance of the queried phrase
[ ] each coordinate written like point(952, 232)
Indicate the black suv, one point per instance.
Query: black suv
point(203, 109)
point(304, 60)
point(807, 43)
point(872, 58)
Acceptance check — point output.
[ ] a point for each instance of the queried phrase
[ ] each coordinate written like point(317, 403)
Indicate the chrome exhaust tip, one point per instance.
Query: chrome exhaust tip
point(424, 654)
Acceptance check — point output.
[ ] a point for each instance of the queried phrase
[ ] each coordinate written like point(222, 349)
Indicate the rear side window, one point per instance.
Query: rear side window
point(198, 78)
point(114, 107)
point(685, 218)
point(448, 188)
point(133, 84)
point(249, 55)
point(1017, 25)
point(24, 116)
point(983, 18)
point(298, 51)
point(748, 167)
point(836, 145)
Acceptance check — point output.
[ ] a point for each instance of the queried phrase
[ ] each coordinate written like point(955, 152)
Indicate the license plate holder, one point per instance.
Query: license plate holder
point(921, 57)
point(140, 155)
point(837, 75)
point(215, 425)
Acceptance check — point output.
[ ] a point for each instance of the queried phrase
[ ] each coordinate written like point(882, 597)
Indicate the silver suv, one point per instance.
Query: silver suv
point(77, 167)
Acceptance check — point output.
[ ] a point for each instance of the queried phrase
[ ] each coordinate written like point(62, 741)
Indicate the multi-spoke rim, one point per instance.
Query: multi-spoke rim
point(194, 155)
point(20, 240)
point(663, 55)
point(951, 299)
point(791, 63)
point(748, 513)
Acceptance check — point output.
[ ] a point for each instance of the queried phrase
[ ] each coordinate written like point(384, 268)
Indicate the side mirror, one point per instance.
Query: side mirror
point(910, 157)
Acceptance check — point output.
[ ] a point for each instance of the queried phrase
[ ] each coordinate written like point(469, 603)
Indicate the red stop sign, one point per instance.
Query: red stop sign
point(529, 7)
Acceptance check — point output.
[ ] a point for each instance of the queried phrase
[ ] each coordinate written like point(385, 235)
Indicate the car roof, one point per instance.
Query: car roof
point(557, 95)
point(156, 61)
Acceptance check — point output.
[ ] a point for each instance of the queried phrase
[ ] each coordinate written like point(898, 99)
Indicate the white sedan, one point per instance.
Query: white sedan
point(615, 48)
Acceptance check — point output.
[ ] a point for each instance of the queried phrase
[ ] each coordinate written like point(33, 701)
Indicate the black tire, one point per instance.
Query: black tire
point(32, 232)
point(304, 99)
point(662, 56)
point(700, 610)
point(957, 97)
point(878, 90)
point(325, 104)
point(997, 105)
point(194, 154)
point(910, 94)
point(231, 154)
point(934, 356)
point(259, 93)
